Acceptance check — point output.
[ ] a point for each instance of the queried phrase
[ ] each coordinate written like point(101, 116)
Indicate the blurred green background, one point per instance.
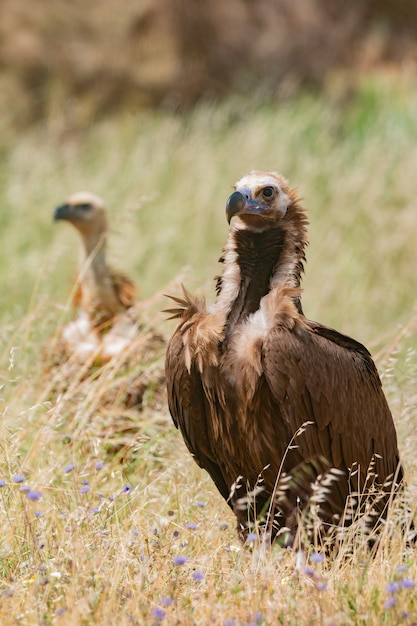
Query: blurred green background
point(160, 105)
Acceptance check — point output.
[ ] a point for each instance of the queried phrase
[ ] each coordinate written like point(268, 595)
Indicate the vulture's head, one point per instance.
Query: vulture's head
point(268, 217)
point(260, 199)
point(85, 211)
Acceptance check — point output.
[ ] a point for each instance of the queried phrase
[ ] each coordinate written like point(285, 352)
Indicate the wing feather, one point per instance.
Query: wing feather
point(330, 379)
point(188, 407)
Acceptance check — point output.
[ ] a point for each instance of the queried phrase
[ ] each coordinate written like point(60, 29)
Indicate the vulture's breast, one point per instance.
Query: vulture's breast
point(242, 361)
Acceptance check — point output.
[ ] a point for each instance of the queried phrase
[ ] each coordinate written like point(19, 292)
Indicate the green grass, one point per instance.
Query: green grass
point(106, 556)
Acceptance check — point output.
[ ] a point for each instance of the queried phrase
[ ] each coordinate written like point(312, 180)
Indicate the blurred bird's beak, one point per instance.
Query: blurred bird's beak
point(237, 204)
point(62, 212)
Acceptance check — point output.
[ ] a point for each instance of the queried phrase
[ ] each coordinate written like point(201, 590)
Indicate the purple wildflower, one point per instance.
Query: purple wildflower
point(401, 569)
point(321, 586)
point(2, 482)
point(126, 489)
point(84, 489)
point(85, 481)
point(392, 587)
point(24, 488)
point(407, 583)
point(99, 465)
point(166, 600)
point(95, 509)
point(308, 571)
point(317, 558)
point(252, 537)
point(392, 601)
point(68, 468)
point(191, 525)
point(229, 622)
point(197, 575)
point(180, 559)
point(19, 478)
point(201, 503)
point(257, 617)
point(33, 495)
point(158, 613)
point(176, 533)
point(60, 611)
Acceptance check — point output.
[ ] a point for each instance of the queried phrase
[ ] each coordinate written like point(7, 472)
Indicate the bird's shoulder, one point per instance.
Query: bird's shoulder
point(317, 367)
point(311, 351)
point(199, 333)
point(124, 287)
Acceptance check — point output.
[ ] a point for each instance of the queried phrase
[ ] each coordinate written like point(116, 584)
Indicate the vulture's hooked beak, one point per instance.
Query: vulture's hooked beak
point(237, 204)
point(62, 212)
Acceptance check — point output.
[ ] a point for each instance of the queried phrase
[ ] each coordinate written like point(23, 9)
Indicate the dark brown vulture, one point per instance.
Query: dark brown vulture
point(105, 322)
point(287, 416)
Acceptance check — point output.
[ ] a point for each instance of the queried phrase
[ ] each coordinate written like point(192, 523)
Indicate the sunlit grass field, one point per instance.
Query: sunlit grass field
point(103, 524)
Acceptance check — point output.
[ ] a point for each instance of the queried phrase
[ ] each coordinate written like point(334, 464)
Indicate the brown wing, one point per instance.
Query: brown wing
point(188, 407)
point(124, 287)
point(316, 374)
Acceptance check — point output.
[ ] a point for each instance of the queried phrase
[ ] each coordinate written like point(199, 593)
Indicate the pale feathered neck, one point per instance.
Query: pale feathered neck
point(98, 295)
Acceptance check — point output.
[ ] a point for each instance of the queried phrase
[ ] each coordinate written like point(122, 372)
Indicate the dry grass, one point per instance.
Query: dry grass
point(114, 499)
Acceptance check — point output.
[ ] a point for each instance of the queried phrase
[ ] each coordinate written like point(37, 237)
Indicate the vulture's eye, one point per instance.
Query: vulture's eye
point(84, 207)
point(268, 192)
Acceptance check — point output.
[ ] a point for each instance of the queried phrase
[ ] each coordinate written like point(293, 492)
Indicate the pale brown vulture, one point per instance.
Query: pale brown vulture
point(109, 356)
point(287, 416)
point(105, 323)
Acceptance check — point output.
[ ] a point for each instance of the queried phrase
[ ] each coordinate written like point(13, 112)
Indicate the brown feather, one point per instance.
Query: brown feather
point(124, 287)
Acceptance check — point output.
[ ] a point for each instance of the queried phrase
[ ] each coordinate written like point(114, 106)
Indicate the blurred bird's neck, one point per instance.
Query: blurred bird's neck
point(98, 294)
